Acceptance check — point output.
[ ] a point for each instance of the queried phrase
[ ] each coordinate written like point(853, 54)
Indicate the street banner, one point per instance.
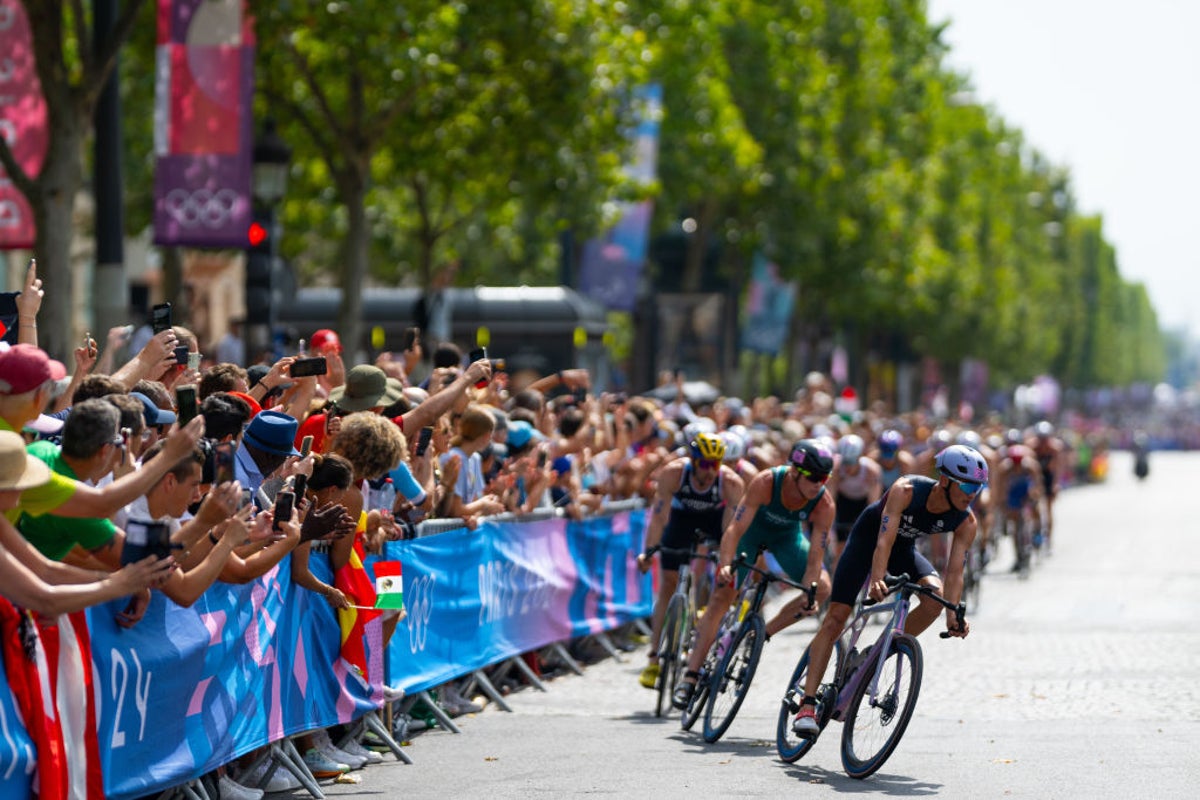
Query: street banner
point(611, 264)
point(478, 597)
point(203, 124)
point(23, 123)
point(769, 304)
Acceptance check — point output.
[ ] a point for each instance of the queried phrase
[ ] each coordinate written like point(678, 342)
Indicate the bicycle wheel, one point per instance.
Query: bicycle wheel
point(731, 679)
point(790, 746)
point(872, 729)
point(688, 717)
point(668, 654)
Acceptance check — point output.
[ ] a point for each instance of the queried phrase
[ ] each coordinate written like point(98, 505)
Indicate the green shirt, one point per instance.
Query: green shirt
point(41, 499)
point(53, 535)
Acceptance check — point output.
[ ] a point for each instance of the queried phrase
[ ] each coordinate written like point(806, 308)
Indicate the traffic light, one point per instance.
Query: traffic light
point(260, 271)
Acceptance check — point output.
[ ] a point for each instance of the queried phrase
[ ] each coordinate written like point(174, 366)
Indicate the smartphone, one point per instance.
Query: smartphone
point(285, 502)
point(478, 354)
point(185, 402)
point(299, 485)
point(193, 360)
point(580, 396)
point(89, 344)
point(182, 354)
point(305, 367)
point(423, 440)
point(305, 447)
point(160, 317)
point(411, 337)
point(144, 537)
point(224, 461)
point(541, 460)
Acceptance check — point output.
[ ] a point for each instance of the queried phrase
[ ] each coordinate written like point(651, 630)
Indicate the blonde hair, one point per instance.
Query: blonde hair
point(373, 444)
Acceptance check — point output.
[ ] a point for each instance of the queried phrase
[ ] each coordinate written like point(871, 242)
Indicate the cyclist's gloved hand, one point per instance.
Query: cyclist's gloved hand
point(725, 575)
point(878, 589)
point(643, 561)
point(957, 632)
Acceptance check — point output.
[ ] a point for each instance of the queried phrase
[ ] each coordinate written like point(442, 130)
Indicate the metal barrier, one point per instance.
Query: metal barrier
point(432, 527)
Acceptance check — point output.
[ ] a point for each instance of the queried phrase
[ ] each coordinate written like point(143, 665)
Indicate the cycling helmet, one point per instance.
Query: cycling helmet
point(890, 441)
point(708, 446)
point(970, 439)
point(1013, 436)
point(940, 440)
point(1043, 430)
point(735, 446)
point(812, 456)
point(962, 463)
point(697, 426)
point(850, 448)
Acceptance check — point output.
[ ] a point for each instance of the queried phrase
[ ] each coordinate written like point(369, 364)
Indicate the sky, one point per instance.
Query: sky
point(1110, 90)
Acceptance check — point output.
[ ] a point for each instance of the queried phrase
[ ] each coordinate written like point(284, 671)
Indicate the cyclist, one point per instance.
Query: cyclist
point(695, 492)
point(778, 503)
point(884, 540)
point(1022, 479)
point(893, 462)
point(857, 481)
point(1048, 449)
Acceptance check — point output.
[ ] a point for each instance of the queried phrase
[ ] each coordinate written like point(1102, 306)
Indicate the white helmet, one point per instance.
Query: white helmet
point(735, 446)
point(850, 447)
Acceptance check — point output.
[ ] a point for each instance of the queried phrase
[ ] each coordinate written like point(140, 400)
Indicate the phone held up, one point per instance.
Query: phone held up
point(285, 502)
point(224, 462)
point(307, 367)
point(185, 401)
point(160, 317)
point(423, 439)
point(306, 447)
point(145, 537)
point(478, 354)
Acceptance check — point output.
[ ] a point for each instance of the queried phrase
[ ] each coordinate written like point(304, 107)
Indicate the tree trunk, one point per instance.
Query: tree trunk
point(53, 212)
point(697, 247)
point(353, 190)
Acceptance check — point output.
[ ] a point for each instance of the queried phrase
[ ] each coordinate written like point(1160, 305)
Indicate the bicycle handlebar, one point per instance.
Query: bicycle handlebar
point(904, 583)
point(770, 577)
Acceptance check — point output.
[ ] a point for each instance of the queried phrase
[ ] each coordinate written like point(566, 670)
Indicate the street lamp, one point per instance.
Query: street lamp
point(271, 160)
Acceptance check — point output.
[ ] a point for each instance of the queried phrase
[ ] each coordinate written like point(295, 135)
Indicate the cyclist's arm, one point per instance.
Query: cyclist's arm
point(889, 524)
point(821, 521)
point(757, 493)
point(733, 488)
point(668, 484)
point(964, 535)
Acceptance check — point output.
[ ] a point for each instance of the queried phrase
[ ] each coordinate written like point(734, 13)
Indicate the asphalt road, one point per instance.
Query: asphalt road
point(1082, 682)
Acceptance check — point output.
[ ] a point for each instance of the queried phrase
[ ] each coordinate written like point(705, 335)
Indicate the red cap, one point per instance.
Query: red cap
point(24, 368)
point(255, 407)
point(325, 339)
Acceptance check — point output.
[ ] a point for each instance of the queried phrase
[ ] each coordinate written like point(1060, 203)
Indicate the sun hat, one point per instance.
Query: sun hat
point(520, 432)
point(274, 432)
point(18, 469)
point(366, 387)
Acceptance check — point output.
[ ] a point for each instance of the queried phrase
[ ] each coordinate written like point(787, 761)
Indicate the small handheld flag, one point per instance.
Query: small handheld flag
point(389, 588)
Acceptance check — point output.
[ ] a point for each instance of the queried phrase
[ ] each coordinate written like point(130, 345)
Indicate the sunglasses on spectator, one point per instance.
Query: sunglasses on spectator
point(966, 487)
point(706, 463)
point(811, 476)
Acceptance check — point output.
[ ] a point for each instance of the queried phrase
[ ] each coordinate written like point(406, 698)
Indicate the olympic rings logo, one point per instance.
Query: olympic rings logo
point(418, 600)
point(201, 208)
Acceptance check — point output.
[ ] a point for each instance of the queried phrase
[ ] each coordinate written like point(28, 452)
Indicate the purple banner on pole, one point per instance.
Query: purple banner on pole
point(204, 128)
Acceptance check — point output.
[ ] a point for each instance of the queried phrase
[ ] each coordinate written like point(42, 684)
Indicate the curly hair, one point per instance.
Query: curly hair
point(223, 377)
point(373, 444)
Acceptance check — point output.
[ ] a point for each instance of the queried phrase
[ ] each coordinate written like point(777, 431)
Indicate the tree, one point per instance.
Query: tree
point(72, 73)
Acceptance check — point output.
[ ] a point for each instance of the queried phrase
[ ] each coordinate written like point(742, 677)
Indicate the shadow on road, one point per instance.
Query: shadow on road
point(879, 783)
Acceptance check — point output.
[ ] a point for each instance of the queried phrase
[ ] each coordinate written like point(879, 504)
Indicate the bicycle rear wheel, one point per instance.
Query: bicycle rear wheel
point(872, 729)
point(790, 746)
point(668, 653)
point(731, 680)
point(688, 717)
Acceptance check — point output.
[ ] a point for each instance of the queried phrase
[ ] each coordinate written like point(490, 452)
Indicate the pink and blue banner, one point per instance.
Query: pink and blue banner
point(23, 122)
point(769, 304)
point(203, 126)
point(189, 689)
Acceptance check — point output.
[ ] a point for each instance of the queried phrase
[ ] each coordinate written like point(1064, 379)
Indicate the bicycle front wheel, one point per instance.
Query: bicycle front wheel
point(790, 746)
point(875, 723)
point(731, 680)
point(668, 654)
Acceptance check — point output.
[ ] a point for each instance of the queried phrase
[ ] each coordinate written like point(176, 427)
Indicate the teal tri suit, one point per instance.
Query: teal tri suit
point(779, 530)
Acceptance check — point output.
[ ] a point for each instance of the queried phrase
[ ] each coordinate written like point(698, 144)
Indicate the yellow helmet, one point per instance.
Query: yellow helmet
point(708, 446)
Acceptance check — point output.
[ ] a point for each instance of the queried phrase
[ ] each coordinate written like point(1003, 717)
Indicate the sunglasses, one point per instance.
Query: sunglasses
point(812, 477)
point(706, 463)
point(967, 488)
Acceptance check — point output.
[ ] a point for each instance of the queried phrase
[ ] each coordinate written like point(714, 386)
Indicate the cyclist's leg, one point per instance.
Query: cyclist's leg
point(667, 581)
point(852, 572)
point(792, 555)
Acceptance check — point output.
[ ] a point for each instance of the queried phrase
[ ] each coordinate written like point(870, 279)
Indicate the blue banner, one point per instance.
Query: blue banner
point(769, 304)
point(478, 597)
point(189, 689)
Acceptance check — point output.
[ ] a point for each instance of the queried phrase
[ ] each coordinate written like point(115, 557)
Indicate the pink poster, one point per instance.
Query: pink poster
point(22, 122)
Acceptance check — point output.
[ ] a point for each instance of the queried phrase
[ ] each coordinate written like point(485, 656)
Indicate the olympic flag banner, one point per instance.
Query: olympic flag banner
point(203, 125)
point(22, 122)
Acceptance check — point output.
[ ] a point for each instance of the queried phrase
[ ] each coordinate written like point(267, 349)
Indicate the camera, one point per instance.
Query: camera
point(146, 538)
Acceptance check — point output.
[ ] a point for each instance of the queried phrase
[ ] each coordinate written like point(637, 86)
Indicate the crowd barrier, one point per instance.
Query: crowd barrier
point(189, 689)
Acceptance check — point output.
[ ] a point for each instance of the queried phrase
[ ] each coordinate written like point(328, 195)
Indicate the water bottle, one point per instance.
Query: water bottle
point(383, 497)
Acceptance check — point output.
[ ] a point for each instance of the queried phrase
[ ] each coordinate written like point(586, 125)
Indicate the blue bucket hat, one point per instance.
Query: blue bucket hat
point(274, 432)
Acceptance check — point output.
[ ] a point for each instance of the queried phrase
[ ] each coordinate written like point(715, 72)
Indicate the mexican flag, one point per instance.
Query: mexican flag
point(389, 588)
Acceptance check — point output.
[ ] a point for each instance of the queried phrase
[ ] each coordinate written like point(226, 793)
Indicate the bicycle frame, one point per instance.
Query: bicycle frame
point(897, 607)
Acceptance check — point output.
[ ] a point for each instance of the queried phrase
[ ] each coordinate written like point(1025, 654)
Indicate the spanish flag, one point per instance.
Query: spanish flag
point(355, 583)
point(389, 587)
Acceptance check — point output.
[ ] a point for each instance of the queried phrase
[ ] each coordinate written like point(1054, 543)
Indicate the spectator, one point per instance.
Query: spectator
point(231, 348)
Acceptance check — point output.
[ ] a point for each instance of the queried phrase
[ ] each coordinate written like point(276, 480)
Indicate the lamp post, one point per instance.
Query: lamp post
point(272, 159)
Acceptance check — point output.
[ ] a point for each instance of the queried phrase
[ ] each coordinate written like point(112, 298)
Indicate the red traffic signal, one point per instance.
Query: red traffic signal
point(257, 234)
